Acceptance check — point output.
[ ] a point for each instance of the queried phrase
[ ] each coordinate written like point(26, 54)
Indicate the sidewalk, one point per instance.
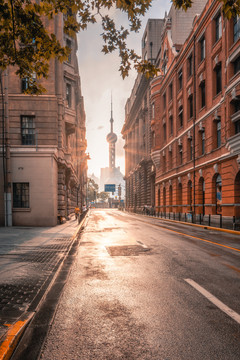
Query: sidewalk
point(29, 261)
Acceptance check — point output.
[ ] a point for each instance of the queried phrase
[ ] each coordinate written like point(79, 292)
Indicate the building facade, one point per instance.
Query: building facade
point(43, 150)
point(196, 118)
point(139, 170)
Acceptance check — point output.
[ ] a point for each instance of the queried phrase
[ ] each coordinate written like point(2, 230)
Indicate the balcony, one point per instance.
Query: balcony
point(155, 155)
point(233, 144)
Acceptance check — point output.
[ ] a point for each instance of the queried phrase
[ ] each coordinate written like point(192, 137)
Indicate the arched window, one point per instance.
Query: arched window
point(202, 196)
point(189, 195)
point(179, 197)
point(218, 192)
point(159, 200)
point(170, 198)
point(237, 195)
point(164, 199)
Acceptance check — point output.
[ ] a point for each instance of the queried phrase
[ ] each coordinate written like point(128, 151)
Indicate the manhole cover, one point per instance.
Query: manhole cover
point(129, 250)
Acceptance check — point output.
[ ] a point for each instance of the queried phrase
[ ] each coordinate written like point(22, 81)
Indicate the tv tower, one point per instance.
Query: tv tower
point(111, 139)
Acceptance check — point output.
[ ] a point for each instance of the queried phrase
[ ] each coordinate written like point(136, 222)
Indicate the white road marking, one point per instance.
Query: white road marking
point(235, 316)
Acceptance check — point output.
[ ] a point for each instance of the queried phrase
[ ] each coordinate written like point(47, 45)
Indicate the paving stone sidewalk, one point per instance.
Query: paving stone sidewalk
point(29, 258)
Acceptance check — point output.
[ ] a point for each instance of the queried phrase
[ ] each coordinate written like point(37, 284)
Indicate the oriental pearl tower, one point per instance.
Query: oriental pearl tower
point(111, 139)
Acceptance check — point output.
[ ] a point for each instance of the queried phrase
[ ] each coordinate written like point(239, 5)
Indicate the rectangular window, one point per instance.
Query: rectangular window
point(236, 28)
point(164, 101)
point(202, 49)
point(218, 75)
point(218, 27)
point(203, 94)
point(164, 132)
point(180, 155)
point(190, 104)
point(190, 149)
point(153, 111)
point(190, 65)
point(69, 95)
point(170, 92)
point(180, 80)
point(27, 130)
point(218, 125)
point(236, 65)
point(69, 45)
point(180, 116)
point(171, 125)
point(21, 195)
point(203, 141)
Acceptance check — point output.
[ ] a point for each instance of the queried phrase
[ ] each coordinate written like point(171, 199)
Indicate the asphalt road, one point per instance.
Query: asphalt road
point(141, 288)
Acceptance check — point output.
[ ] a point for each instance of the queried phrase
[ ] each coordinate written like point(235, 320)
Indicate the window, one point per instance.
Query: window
point(69, 45)
point(218, 127)
point(170, 92)
point(237, 121)
point(236, 28)
point(218, 77)
point(190, 148)
point(202, 49)
point(27, 130)
point(24, 84)
point(164, 132)
point(203, 94)
point(170, 159)
point(153, 111)
point(190, 106)
point(69, 95)
point(21, 195)
point(190, 65)
point(180, 155)
point(180, 116)
point(153, 139)
point(236, 65)
point(171, 124)
point(203, 141)
point(164, 101)
point(218, 194)
point(218, 27)
point(180, 80)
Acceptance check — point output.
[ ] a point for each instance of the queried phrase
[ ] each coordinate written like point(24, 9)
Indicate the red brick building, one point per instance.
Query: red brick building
point(196, 119)
point(45, 162)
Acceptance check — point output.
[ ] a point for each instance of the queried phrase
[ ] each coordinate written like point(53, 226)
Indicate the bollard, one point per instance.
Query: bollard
point(209, 220)
point(234, 223)
point(220, 220)
point(179, 216)
point(200, 219)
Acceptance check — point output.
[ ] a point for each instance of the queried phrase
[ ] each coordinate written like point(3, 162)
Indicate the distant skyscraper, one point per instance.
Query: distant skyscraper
point(111, 139)
point(112, 174)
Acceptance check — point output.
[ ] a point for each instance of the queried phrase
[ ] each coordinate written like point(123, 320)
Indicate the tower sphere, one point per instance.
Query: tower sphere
point(111, 138)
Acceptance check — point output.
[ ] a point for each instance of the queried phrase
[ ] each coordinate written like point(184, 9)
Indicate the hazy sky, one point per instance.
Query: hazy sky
point(99, 77)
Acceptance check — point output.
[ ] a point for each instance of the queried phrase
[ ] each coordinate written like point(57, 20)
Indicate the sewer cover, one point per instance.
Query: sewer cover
point(127, 250)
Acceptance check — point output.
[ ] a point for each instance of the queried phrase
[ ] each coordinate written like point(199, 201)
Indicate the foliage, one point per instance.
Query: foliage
point(103, 195)
point(92, 190)
point(26, 43)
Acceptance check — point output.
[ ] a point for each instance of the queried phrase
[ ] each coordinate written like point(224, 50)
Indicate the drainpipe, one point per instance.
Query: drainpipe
point(194, 121)
point(7, 184)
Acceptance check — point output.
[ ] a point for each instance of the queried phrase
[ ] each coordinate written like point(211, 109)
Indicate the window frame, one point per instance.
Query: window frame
point(29, 137)
point(20, 202)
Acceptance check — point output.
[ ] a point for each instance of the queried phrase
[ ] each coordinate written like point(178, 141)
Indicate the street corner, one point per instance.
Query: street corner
point(12, 334)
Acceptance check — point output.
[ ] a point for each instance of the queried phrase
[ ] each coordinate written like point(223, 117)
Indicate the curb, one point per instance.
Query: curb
point(10, 340)
point(206, 227)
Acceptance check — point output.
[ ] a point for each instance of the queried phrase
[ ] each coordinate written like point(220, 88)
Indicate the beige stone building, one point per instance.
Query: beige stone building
point(43, 155)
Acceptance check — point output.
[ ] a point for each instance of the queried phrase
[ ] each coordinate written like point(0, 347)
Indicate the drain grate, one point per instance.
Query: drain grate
point(127, 250)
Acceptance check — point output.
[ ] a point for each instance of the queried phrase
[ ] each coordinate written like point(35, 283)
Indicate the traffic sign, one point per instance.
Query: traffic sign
point(109, 188)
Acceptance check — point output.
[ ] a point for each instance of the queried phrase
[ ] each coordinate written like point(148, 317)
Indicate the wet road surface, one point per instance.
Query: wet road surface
point(140, 288)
